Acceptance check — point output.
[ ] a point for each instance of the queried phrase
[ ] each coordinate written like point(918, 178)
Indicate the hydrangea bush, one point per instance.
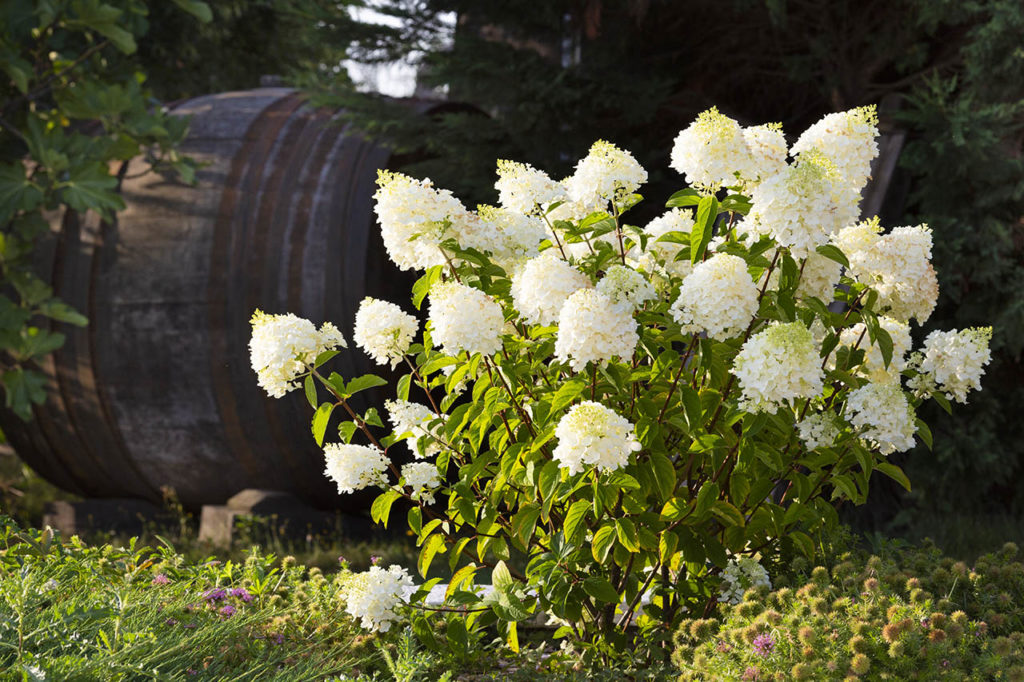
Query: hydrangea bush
point(606, 416)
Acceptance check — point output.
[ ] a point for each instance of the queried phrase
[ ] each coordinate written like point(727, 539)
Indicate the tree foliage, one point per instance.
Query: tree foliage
point(243, 41)
point(74, 108)
point(966, 160)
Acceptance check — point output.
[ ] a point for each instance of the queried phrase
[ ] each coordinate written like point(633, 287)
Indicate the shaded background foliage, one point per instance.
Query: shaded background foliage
point(245, 39)
point(541, 81)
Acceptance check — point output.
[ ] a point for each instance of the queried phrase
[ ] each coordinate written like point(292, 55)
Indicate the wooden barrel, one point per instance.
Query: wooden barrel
point(158, 390)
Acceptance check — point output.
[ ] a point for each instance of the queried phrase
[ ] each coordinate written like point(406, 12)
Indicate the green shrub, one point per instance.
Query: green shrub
point(909, 614)
point(992, 590)
point(680, 420)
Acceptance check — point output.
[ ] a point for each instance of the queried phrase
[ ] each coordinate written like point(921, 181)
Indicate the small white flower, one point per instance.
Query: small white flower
point(856, 242)
point(508, 236)
point(35, 673)
point(741, 575)
point(607, 173)
point(422, 477)
point(818, 430)
point(354, 467)
point(718, 297)
point(541, 286)
point(592, 435)
point(847, 138)
point(384, 331)
point(465, 319)
point(953, 362)
point(767, 145)
point(415, 419)
point(283, 345)
point(776, 365)
point(660, 256)
point(526, 190)
point(593, 328)
point(801, 206)
point(711, 151)
point(374, 596)
point(626, 286)
point(897, 266)
point(413, 218)
point(882, 416)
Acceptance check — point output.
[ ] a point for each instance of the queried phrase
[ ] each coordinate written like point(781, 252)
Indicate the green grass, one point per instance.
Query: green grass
point(71, 611)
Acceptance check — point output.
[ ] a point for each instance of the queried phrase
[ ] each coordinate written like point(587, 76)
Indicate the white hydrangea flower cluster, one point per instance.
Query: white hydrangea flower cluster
point(818, 430)
point(742, 574)
point(593, 328)
point(592, 435)
point(881, 415)
point(605, 174)
point(423, 478)
point(767, 145)
point(282, 345)
point(373, 596)
point(415, 419)
point(856, 242)
point(509, 236)
point(953, 362)
point(777, 364)
point(718, 297)
point(897, 265)
point(465, 319)
point(847, 138)
point(903, 274)
point(803, 205)
point(540, 288)
point(383, 330)
point(715, 151)
point(710, 151)
point(354, 467)
point(874, 364)
point(411, 214)
point(526, 190)
point(659, 257)
point(626, 286)
point(819, 278)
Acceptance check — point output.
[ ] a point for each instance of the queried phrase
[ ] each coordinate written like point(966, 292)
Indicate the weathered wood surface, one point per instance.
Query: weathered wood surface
point(158, 390)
